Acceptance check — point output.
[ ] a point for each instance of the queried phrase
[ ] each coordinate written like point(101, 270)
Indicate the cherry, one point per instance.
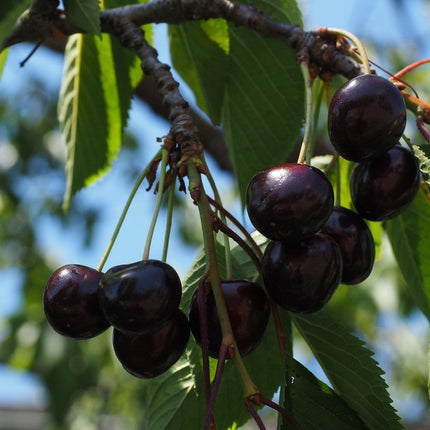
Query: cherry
point(382, 187)
point(248, 309)
point(148, 355)
point(140, 297)
point(355, 241)
point(302, 276)
point(367, 116)
point(289, 201)
point(71, 304)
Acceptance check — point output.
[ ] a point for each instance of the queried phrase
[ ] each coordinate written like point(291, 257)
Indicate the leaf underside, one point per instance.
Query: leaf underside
point(95, 96)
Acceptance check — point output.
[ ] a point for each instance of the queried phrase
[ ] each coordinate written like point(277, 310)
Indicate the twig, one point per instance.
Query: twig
point(254, 415)
point(215, 386)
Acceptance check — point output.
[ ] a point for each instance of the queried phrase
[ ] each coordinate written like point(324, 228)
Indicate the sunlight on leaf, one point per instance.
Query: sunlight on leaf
point(349, 366)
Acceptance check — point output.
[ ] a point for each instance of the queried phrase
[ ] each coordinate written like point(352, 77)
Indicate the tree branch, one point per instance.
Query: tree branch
point(211, 135)
point(322, 50)
point(44, 22)
point(183, 130)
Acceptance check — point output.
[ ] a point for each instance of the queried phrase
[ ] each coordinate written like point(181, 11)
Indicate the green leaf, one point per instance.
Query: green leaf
point(10, 11)
point(84, 14)
point(409, 235)
point(198, 54)
point(251, 84)
point(263, 100)
point(3, 57)
point(307, 393)
point(348, 364)
point(162, 395)
point(95, 96)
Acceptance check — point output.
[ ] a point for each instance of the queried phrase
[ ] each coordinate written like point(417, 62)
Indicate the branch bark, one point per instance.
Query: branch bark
point(322, 51)
point(43, 22)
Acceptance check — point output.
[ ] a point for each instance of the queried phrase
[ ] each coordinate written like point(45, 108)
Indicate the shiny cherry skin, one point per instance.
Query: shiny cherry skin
point(355, 241)
point(382, 187)
point(149, 355)
point(70, 302)
point(248, 309)
point(366, 117)
point(140, 297)
point(302, 276)
point(289, 201)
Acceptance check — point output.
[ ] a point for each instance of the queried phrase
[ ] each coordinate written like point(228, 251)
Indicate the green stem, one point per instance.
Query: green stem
point(164, 160)
point(357, 43)
point(227, 214)
point(136, 186)
point(197, 189)
point(338, 185)
point(227, 249)
point(169, 219)
point(317, 110)
point(304, 156)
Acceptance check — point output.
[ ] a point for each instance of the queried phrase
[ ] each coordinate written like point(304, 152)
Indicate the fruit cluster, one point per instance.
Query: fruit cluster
point(139, 300)
point(367, 117)
point(314, 245)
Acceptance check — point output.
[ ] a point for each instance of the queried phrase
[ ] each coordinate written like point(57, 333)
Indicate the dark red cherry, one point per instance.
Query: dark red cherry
point(289, 201)
point(149, 355)
point(141, 296)
point(248, 309)
point(366, 117)
point(382, 187)
point(355, 241)
point(302, 276)
point(71, 304)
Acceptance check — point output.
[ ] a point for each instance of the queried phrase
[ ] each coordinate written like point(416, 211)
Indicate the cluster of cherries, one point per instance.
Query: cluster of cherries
point(139, 300)
point(314, 246)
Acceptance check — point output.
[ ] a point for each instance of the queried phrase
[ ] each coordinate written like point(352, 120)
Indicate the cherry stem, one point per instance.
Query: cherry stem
point(357, 43)
point(218, 201)
point(257, 263)
point(238, 225)
point(317, 109)
point(330, 165)
point(305, 149)
point(201, 299)
point(169, 219)
point(255, 415)
point(281, 410)
point(222, 355)
point(338, 185)
point(206, 219)
point(278, 327)
point(423, 130)
point(411, 67)
point(227, 230)
point(118, 226)
point(164, 160)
